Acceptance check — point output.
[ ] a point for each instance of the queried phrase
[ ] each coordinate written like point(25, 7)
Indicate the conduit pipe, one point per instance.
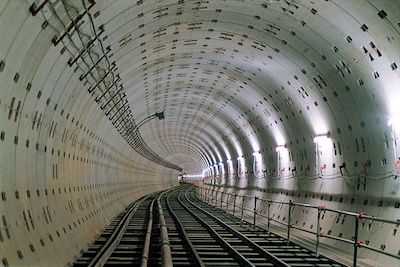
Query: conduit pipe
point(146, 248)
point(166, 258)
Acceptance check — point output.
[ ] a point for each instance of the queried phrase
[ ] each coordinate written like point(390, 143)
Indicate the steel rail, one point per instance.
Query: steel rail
point(236, 254)
point(198, 260)
point(358, 217)
point(256, 247)
point(105, 252)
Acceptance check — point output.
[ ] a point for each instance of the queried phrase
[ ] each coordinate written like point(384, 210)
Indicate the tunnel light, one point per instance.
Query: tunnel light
point(239, 158)
point(229, 161)
point(215, 165)
point(256, 154)
point(160, 115)
point(321, 137)
point(280, 148)
point(394, 120)
point(221, 163)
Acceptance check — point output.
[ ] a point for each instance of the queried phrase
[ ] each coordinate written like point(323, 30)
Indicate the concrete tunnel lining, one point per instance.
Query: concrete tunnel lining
point(233, 77)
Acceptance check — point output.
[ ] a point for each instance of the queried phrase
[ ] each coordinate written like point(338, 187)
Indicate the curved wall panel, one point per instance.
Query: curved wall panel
point(235, 79)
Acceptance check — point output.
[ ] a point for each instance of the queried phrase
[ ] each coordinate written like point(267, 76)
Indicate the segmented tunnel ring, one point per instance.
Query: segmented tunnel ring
point(293, 100)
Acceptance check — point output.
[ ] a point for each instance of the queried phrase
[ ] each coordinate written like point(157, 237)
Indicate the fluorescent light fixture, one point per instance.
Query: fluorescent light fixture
point(229, 161)
point(221, 163)
point(239, 158)
point(394, 120)
point(215, 165)
point(160, 115)
point(279, 148)
point(256, 153)
point(321, 137)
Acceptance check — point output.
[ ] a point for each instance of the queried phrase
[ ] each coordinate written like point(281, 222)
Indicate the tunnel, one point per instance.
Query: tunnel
point(106, 101)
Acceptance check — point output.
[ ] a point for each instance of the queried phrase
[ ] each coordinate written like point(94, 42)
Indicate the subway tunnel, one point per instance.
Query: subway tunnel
point(103, 102)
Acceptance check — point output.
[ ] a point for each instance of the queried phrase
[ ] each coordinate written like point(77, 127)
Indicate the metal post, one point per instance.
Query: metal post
point(268, 215)
point(241, 217)
point(289, 226)
point(214, 197)
point(227, 202)
point(357, 218)
point(234, 204)
point(222, 194)
point(255, 210)
point(318, 234)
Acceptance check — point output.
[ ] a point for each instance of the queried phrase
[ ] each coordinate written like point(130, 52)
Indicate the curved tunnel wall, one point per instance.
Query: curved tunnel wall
point(233, 77)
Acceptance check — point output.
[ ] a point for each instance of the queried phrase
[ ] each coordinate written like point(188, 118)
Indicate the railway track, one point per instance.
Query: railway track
point(174, 228)
point(123, 241)
point(292, 254)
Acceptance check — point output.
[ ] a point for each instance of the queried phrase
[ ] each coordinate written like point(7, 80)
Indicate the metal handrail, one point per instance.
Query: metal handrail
point(205, 193)
point(272, 258)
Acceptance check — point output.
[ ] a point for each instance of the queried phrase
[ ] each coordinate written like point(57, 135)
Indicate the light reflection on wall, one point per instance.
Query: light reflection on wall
point(241, 166)
point(257, 164)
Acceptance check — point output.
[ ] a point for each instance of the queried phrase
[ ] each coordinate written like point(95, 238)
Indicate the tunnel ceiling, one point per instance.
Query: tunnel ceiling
point(232, 77)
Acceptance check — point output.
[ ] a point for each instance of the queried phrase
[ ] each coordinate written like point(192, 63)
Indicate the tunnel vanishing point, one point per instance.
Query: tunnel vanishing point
point(292, 100)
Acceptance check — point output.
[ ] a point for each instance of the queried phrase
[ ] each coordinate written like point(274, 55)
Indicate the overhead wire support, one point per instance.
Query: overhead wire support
point(122, 119)
point(105, 92)
point(121, 99)
point(83, 76)
point(71, 61)
point(124, 129)
point(123, 113)
point(101, 79)
point(95, 63)
point(35, 10)
point(111, 98)
point(57, 39)
point(123, 105)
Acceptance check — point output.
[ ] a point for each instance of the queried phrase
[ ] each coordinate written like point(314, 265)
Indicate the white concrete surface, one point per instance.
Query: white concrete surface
point(233, 77)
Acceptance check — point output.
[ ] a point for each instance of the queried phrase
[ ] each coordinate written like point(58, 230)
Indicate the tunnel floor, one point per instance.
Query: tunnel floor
point(198, 235)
